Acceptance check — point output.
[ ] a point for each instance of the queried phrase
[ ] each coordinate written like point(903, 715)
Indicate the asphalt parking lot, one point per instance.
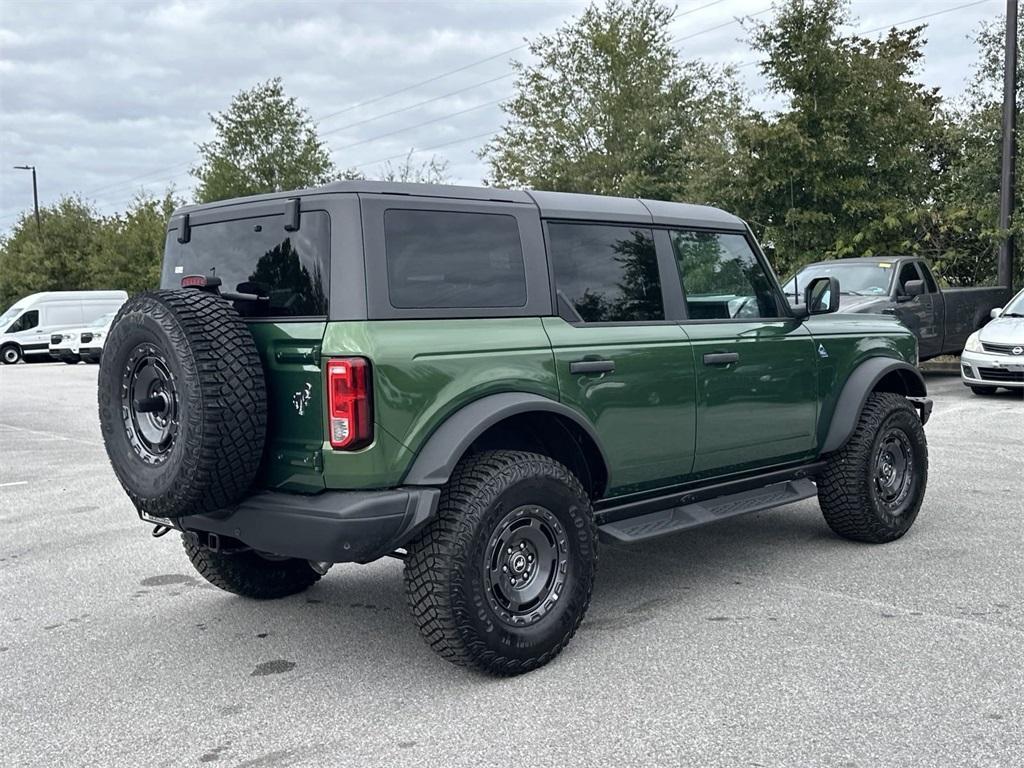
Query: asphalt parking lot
point(764, 640)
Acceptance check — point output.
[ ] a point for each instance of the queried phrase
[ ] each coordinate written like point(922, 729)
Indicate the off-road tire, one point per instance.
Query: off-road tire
point(215, 402)
point(250, 574)
point(10, 354)
point(850, 490)
point(984, 391)
point(445, 575)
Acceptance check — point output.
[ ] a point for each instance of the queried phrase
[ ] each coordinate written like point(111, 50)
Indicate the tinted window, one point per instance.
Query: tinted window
point(605, 274)
point(929, 280)
point(289, 270)
point(440, 259)
point(28, 320)
point(722, 277)
point(908, 272)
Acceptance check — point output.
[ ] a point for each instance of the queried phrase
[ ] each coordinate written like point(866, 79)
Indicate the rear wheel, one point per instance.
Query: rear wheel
point(502, 577)
point(873, 487)
point(251, 574)
point(984, 390)
point(10, 354)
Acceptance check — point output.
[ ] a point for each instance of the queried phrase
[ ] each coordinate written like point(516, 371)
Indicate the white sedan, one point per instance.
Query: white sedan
point(994, 355)
point(77, 344)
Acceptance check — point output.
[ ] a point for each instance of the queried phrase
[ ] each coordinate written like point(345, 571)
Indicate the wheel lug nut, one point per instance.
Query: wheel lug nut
point(522, 545)
point(510, 550)
point(504, 568)
point(530, 558)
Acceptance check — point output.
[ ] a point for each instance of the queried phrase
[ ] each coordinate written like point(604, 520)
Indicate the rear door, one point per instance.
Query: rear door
point(252, 252)
point(619, 359)
point(756, 367)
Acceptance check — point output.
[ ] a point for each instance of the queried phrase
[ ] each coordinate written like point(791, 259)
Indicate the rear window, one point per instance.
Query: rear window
point(605, 274)
point(445, 259)
point(288, 270)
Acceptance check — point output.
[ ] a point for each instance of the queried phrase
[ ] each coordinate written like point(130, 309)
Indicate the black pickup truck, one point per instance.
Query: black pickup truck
point(904, 286)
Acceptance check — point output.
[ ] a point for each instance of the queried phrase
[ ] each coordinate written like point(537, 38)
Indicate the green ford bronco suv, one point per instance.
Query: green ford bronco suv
point(485, 383)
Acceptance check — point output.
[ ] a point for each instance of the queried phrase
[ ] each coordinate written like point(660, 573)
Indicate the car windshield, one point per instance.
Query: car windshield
point(7, 317)
point(860, 279)
point(1016, 306)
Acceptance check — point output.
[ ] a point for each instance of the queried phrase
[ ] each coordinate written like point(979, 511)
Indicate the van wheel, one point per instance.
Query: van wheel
point(251, 574)
point(873, 487)
point(10, 354)
point(72, 360)
point(502, 577)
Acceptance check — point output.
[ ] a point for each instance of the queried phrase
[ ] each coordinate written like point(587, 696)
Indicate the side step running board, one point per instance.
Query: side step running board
point(675, 519)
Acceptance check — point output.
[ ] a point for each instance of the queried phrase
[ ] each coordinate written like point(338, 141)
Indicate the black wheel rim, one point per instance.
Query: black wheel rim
point(149, 404)
point(893, 468)
point(525, 565)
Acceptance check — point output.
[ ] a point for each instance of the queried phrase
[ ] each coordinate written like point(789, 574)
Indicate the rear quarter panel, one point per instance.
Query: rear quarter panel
point(425, 370)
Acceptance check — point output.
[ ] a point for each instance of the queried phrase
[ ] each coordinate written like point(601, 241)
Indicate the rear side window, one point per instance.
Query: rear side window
point(605, 274)
point(288, 270)
point(448, 259)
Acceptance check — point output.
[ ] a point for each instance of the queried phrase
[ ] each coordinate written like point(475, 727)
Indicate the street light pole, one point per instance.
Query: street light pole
point(35, 194)
point(1008, 170)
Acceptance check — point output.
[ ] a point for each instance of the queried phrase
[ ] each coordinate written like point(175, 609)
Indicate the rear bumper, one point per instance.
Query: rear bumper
point(332, 527)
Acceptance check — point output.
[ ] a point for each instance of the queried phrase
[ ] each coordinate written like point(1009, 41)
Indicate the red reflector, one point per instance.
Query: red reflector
point(349, 421)
point(193, 281)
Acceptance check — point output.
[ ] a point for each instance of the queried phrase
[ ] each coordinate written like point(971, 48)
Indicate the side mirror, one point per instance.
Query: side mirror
point(912, 289)
point(995, 312)
point(821, 296)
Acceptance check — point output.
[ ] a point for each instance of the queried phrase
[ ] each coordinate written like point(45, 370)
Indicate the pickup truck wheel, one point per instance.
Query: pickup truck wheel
point(984, 390)
point(182, 402)
point(873, 487)
point(502, 576)
point(10, 354)
point(251, 574)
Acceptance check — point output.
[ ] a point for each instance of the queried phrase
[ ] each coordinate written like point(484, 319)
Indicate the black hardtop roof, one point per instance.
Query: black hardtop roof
point(552, 205)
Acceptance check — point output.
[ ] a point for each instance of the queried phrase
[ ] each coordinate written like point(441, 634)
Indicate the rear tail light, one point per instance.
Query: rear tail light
point(349, 420)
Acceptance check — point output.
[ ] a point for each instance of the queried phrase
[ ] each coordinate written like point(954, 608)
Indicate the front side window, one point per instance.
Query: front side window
point(287, 270)
point(605, 274)
point(26, 322)
point(722, 277)
point(449, 259)
point(908, 273)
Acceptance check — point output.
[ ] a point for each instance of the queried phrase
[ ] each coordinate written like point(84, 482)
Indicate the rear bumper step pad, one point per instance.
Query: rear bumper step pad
point(683, 517)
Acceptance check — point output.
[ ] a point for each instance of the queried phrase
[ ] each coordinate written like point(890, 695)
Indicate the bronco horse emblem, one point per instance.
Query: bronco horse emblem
point(301, 398)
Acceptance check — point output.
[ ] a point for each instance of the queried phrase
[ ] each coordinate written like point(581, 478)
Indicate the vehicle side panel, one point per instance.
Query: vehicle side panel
point(424, 371)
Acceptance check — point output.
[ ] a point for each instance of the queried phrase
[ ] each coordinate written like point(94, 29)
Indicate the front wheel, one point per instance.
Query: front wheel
point(873, 487)
point(502, 577)
point(10, 354)
point(984, 390)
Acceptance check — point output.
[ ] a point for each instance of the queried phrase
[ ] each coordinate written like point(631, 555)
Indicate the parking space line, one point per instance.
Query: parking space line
point(52, 435)
point(18, 482)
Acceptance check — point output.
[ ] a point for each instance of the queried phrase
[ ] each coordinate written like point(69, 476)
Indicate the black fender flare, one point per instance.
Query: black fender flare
point(442, 450)
point(858, 386)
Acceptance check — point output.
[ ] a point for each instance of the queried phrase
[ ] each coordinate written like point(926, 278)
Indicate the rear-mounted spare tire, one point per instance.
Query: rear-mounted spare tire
point(182, 402)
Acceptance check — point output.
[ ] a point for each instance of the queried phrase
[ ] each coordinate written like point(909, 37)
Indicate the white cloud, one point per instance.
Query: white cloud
point(105, 98)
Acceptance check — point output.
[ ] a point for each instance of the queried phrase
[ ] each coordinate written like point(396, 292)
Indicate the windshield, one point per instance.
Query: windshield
point(1016, 306)
point(7, 317)
point(859, 279)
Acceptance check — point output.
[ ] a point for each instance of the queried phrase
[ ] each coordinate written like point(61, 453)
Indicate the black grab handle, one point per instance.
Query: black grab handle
point(721, 358)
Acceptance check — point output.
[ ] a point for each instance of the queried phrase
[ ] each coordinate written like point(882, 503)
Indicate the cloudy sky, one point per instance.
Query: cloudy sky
point(108, 98)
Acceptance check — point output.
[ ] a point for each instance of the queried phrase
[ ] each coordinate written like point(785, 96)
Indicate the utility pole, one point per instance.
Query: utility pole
point(35, 194)
point(1006, 184)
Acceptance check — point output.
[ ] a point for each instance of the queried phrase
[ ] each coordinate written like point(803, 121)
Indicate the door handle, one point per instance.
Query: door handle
point(591, 366)
point(721, 358)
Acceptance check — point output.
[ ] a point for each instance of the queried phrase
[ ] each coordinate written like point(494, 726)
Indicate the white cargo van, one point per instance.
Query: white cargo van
point(25, 328)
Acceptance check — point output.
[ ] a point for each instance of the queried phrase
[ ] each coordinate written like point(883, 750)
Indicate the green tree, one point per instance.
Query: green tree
point(608, 108)
point(132, 245)
point(963, 226)
point(59, 258)
point(264, 143)
point(849, 165)
point(432, 171)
